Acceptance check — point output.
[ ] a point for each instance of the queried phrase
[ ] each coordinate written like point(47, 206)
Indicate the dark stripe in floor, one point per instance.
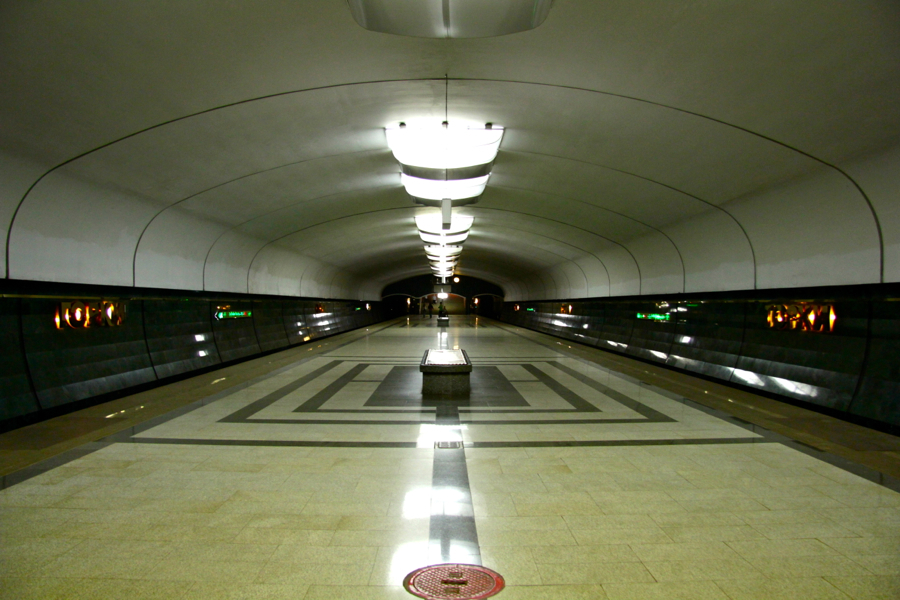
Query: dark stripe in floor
point(452, 536)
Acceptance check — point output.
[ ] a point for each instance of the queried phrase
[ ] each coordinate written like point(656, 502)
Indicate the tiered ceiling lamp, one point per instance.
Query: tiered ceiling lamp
point(450, 18)
point(443, 166)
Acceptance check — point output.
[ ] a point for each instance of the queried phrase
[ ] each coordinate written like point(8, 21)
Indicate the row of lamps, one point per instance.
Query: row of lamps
point(444, 166)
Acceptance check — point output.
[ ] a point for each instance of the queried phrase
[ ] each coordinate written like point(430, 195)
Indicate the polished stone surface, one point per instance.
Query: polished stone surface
point(320, 473)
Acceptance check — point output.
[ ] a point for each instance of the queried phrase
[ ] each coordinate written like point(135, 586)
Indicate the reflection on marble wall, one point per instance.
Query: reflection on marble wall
point(47, 365)
point(835, 348)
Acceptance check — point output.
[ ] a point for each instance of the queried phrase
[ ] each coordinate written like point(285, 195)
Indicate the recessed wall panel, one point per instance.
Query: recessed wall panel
point(16, 397)
point(235, 336)
point(817, 367)
point(269, 322)
point(179, 335)
point(69, 364)
point(708, 336)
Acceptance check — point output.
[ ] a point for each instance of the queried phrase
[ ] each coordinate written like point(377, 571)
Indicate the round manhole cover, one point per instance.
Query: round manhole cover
point(460, 582)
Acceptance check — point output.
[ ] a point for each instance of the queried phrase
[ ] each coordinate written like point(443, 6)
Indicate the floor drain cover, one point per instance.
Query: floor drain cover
point(462, 582)
point(448, 445)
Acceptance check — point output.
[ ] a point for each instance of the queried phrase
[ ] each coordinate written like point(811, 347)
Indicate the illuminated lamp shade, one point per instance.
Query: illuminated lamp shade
point(444, 240)
point(439, 189)
point(443, 266)
point(432, 223)
point(439, 147)
point(449, 18)
point(438, 257)
point(442, 259)
point(443, 250)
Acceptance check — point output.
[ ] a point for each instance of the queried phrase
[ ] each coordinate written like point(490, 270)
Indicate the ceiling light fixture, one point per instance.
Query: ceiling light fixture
point(440, 189)
point(433, 224)
point(431, 238)
point(443, 165)
point(449, 18)
point(444, 146)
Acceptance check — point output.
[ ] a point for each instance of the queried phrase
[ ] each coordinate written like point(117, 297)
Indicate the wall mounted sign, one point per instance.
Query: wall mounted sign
point(233, 314)
point(654, 316)
point(819, 318)
point(78, 314)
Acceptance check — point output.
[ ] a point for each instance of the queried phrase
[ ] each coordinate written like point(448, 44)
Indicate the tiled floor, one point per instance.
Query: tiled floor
point(315, 475)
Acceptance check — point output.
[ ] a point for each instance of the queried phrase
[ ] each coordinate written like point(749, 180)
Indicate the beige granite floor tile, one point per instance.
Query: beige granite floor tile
point(868, 588)
point(697, 569)
point(290, 573)
point(643, 535)
point(791, 588)
point(593, 573)
point(343, 555)
point(808, 566)
point(787, 548)
point(709, 550)
point(203, 590)
point(553, 592)
point(552, 537)
point(865, 545)
point(583, 554)
point(668, 590)
point(97, 589)
point(349, 592)
point(520, 523)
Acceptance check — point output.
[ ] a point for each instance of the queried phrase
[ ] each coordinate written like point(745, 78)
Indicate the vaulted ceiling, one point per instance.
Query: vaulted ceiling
point(650, 147)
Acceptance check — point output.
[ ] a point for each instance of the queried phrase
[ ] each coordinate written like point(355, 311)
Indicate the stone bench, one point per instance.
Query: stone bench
point(445, 373)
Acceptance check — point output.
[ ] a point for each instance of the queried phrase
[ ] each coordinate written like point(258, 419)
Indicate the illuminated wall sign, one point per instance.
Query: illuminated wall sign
point(819, 318)
point(654, 316)
point(233, 314)
point(84, 315)
point(530, 309)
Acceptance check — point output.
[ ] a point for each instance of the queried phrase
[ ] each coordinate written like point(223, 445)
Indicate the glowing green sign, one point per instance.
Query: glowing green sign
point(654, 316)
point(233, 314)
point(530, 309)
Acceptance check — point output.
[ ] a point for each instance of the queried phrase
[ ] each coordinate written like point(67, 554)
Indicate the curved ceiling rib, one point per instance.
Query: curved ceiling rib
point(537, 128)
point(228, 182)
point(751, 132)
point(601, 208)
point(668, 187)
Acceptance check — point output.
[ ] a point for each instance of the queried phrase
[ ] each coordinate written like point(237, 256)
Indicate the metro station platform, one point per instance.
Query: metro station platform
point(320, 473)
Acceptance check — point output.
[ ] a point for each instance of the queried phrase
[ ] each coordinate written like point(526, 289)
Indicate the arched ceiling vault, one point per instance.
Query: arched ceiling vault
point(649, 147)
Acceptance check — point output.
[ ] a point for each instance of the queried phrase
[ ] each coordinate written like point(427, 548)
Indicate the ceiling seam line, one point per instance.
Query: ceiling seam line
point(597, 258)
point(659, 231)
point(218, 185)
point(270, 242)
point(740, 128)
point(669, 187)
point(636, 265)
point(233, 228)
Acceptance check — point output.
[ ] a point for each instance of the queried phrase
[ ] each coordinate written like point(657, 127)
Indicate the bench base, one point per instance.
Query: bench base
point(447, 377)
point(452, 386)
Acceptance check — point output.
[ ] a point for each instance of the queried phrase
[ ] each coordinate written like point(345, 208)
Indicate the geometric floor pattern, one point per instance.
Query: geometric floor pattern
point(329, 478)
